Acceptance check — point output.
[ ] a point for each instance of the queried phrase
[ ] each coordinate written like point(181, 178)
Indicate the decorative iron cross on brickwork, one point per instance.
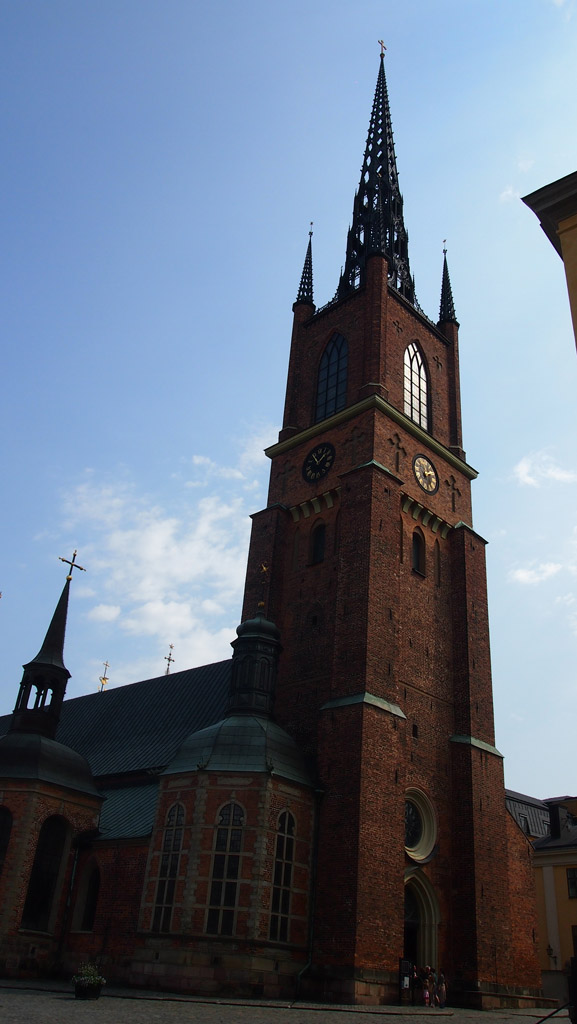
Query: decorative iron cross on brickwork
point(354, 442)
point(396, 443)
point(73, 564)
point(455, 492)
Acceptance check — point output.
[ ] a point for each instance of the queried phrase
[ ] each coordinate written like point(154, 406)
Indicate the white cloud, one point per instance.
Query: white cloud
point(536, 574)
point(104, 613)
point(509, 195)
point(168, 574)
point(532, 470)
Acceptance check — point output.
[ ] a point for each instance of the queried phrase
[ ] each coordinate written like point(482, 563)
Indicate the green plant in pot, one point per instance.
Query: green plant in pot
point(88, 981)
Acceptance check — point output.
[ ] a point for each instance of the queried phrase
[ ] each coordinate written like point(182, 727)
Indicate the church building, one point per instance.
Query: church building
point(328, 806)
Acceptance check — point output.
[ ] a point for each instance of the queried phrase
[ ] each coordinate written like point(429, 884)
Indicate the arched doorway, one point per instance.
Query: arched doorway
point(421, 919)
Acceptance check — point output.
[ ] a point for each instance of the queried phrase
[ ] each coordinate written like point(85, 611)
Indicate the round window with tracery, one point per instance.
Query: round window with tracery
point(420, 825)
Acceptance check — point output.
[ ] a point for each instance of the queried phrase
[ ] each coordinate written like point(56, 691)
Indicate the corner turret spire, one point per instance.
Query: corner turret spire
point(447, 307)
point(305, 292)
point(377, 225)
point(46, 674)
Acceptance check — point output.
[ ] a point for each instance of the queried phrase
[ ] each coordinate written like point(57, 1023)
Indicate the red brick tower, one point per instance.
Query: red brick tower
point(376, 580)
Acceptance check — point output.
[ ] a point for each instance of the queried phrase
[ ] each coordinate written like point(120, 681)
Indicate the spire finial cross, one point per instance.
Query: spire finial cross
point(311, 230)
point(73, 564)
point(382, 46)
point(444, 246)
point(168, 657)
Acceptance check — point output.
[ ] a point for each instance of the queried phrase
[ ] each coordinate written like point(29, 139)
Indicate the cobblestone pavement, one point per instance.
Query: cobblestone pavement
point(56, 1005)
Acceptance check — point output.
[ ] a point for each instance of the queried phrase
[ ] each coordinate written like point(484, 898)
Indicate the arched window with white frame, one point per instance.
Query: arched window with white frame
point(416, 386)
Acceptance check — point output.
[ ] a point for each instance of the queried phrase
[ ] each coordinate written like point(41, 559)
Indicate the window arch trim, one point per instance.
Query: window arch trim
point(416, 390)
point(332, 378)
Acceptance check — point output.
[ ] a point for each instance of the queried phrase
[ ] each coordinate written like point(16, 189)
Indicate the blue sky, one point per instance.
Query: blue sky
point(161, 162)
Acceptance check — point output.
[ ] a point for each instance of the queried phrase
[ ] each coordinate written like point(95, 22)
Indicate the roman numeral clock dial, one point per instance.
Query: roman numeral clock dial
point(425, 474)
point(318, 462)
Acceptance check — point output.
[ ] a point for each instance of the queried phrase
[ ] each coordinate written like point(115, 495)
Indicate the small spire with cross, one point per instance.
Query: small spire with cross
point(103, 679)
point(382, 46)
point(168, 657)
point(72, 563)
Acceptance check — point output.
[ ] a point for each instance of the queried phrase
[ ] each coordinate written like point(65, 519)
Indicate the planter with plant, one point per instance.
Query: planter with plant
point(88, 981)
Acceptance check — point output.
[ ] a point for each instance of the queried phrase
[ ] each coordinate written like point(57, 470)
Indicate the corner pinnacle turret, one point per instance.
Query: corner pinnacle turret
point(377, 226)
point(447, 307)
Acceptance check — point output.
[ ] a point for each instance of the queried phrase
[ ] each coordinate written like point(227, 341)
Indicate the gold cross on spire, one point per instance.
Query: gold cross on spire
point(168, 657)
point(73, 564)
point(382, 46)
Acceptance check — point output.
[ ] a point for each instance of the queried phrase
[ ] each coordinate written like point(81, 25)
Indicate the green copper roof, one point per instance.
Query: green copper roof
point(242, 743)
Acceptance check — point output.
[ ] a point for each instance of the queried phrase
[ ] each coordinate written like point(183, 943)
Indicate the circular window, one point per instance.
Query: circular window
point(420, 825)
point(413, 825)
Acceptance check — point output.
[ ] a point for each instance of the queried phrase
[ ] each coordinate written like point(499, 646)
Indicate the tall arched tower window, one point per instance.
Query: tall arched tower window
point(225, 871)
point(168, 872)
point(332, 379)
point(418, 552)
point(416, 389)
point(318, 539)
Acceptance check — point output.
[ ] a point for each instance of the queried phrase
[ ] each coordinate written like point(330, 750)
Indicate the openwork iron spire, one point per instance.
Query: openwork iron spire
point(447, 308)
point(305, 292)
point(377, 225)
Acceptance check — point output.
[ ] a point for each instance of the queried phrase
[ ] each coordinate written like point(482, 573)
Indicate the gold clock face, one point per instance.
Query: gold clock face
point(425, 474)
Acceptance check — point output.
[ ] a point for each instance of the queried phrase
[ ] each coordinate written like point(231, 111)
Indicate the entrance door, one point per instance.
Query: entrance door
point(412, 924)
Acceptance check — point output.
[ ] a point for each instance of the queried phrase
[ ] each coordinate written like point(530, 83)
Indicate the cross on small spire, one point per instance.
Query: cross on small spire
point(382, 46)
point(168, 657)
point(103, 679)
point(73, 564)
point(444, 246)
point(311, 230)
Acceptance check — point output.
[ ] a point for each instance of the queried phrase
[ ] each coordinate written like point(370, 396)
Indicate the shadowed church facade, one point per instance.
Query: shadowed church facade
point(298, 819)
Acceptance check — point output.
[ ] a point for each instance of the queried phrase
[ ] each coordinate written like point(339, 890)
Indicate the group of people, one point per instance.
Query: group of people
point(432, 986)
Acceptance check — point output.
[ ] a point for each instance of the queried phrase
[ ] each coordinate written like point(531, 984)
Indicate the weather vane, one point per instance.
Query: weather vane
point(168, 657)
point(73, 564)
point(104, 678)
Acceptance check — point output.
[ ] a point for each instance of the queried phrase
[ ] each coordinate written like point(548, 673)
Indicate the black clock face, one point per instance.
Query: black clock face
point(413, 825)
point(318, 462)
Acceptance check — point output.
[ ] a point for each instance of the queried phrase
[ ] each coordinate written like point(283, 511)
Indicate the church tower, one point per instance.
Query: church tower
point(375, 577)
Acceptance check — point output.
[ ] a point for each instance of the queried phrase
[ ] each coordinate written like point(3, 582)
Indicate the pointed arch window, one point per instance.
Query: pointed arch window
point(418, 552)
point(46, 873)
point(332, 379)
point(416, 386)
point(318, 542)
point(226, 863)
point(168, 871)
point(282, 879)
point(87, 901)
point(5, 830)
